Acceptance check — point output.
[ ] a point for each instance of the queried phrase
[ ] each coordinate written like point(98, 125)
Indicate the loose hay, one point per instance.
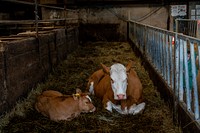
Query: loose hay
point(73, 73)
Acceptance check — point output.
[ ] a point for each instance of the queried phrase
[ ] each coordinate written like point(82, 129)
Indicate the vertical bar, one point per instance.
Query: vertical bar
point(176, 22)
point(168, 59)
point(65, 14)
point(161, 53)
point(196, 103)
point(158, 52)
point(199, 56)
point(186, 75)
point(177, 50)
point(154, 48)
point(164, 57)
point(36, 18)
point(198, 29)
point(181, 72)
point(172, 62)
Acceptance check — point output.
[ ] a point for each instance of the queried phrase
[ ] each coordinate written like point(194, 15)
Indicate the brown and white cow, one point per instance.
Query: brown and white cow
point(119, 88)
point(57, 106)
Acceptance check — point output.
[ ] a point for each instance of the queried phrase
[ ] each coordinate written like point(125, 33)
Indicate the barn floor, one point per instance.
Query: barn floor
point(72, 74)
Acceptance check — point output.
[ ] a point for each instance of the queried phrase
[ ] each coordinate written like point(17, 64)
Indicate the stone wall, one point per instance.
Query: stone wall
point(25, 62)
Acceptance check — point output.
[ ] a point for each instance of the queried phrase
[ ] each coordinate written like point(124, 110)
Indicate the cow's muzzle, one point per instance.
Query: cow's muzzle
point(121, 96)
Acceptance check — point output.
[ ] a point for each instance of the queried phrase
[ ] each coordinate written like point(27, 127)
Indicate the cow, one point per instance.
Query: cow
point(57, 106)
point(118, 87)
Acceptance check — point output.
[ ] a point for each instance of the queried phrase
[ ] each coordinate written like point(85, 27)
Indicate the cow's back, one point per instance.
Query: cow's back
point(51, 93)
point(57, 106)
point(62, 108)
point(94, 79)
point(96, 76)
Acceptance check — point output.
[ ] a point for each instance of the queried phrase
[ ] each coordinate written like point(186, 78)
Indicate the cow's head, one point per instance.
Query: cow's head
point(118, 75)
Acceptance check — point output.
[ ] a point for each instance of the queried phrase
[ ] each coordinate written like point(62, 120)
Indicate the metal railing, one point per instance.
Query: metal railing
point(37, 24)
point(174, 61)
point(188, 27)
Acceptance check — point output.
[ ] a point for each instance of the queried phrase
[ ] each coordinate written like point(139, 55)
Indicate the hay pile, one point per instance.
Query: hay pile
point(73, 73)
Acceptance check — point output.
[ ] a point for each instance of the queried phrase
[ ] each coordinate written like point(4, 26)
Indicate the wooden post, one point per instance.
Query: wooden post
point(36, 18)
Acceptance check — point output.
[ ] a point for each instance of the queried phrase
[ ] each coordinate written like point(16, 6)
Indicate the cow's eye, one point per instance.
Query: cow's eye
point(112, 81)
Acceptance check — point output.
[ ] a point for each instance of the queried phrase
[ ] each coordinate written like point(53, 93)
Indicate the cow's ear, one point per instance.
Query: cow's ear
point(129, 65)
point(105, 68)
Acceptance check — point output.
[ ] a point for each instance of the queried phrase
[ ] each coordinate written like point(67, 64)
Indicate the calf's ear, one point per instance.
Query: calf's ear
point(78, 91)
point(76, 96)
point(105, 68)
point(129, 65)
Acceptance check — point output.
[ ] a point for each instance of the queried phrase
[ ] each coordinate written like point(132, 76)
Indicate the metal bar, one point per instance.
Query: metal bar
point(40, 5)
point(177, 49)
point(31, 21)
point(36, 18)
point(181, 71)
point(168, 59)
point(32, 28)
point(160, 52)
point(186, 74)
point(164, 57)
point(194, 73)
point(178, 70)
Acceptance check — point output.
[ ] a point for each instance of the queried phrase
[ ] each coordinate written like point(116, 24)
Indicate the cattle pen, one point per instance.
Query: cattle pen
point(64, 54)
point(73, 73)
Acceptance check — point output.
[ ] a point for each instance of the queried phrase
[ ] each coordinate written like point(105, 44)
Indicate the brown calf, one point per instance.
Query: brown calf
point(57, 106)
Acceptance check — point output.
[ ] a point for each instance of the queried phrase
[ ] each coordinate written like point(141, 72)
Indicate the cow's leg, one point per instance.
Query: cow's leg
point(109, 106)
point(136, 109)
point(119, 110)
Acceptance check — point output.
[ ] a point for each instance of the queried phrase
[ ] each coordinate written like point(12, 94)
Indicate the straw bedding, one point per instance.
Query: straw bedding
point(73, 73)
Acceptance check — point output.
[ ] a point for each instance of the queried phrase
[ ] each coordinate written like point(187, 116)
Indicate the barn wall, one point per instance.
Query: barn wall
point(155, 16)
point(24, 63)
point(107, 23)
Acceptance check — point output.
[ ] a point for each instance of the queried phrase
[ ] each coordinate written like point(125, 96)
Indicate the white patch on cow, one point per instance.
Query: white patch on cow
point(91, 90)
point(109, 106)
point(137, 109)
point(119, 110)
point(88, 98)
point(119, 77)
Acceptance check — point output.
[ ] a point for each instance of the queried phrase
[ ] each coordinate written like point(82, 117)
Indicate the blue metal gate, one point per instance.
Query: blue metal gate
point(174, 57)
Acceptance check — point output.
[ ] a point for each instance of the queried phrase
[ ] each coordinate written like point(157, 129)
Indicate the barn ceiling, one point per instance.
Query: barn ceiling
point(13, 3)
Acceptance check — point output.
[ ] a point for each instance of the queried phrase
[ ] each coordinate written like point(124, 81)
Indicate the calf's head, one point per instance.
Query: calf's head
point(118, 76)
point(84, 101)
